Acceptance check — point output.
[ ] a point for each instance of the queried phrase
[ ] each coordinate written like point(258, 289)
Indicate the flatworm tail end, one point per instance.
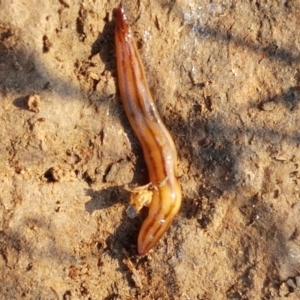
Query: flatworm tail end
point(162, 211)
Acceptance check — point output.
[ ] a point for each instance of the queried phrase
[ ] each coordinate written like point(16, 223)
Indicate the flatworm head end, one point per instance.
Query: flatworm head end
point(121, 21)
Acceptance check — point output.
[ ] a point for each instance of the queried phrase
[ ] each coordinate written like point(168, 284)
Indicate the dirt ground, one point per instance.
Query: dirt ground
point(225, 76)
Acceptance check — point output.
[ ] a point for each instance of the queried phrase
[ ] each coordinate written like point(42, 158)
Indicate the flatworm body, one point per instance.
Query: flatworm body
point(158, 146)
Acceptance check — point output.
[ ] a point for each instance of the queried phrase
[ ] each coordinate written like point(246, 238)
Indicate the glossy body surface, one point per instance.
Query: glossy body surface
point(158, 146)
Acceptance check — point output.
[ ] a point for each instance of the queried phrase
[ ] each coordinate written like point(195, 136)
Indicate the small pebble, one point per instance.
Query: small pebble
point(34, 103)
point(268, 106)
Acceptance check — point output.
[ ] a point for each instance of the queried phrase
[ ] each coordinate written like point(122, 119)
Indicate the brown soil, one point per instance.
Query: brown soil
point(225, 76)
